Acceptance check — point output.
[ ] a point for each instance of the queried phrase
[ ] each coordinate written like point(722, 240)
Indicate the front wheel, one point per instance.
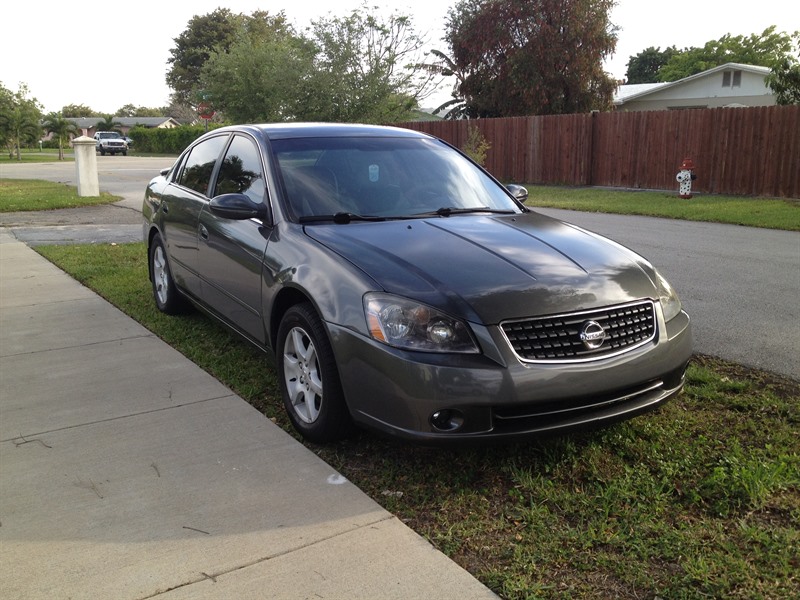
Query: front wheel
point(168, 299)
point(309, 380)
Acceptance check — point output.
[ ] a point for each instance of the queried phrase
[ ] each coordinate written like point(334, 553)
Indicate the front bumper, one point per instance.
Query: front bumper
point(439, 398)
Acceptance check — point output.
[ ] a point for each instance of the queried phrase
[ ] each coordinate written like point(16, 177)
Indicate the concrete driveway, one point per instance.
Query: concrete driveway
point(741, 285)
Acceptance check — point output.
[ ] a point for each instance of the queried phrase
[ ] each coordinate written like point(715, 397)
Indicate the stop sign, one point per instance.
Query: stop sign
point(205, 111)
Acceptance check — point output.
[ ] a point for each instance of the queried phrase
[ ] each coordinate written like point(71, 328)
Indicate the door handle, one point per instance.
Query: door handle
point(164, 207)
point(203, 232)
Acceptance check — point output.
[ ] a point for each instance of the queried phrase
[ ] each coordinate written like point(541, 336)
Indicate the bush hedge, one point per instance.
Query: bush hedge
point(165, 141)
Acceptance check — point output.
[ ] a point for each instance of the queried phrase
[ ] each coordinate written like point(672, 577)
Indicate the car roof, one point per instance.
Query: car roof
point(277, 131)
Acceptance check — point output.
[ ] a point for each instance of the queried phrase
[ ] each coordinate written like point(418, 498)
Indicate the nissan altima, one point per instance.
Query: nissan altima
point(396, 285)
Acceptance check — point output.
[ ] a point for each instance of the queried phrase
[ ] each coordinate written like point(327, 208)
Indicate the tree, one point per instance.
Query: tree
point(61, 128)
point(184, 113)
point(75, 111)
point(349, 68)
point(363, 68)
point(784, 80)
point(523, 57)
point(20, 119)
point(6, 107)
point(129, 110)
point(108, 124)
point(456, 108)
point(262, 74)
point(203, 36)
point(767, 49)
point(645, 66)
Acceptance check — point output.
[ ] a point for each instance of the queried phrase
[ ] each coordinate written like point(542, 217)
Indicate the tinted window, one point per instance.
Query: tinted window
point(241, 172)
point(382, 176)
point(199, 164)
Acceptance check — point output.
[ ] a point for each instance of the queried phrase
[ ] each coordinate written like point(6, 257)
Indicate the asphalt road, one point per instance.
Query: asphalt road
point(741, 285)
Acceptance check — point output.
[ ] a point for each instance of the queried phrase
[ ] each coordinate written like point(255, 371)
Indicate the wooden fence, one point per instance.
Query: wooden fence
point(740, 151)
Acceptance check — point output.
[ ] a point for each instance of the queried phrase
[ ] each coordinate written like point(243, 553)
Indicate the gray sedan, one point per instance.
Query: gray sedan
point(398, 286)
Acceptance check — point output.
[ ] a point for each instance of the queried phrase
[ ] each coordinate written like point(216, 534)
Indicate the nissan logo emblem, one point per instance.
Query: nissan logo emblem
point(592, 335)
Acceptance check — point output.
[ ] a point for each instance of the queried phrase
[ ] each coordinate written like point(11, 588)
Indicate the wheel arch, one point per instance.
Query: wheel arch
point(285, 299)
point(152, 233)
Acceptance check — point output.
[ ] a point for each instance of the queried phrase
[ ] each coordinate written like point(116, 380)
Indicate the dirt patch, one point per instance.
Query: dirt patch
point(783, 387)
point(104, 214)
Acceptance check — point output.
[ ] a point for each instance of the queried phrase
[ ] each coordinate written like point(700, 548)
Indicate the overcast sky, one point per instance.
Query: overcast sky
point(109, 54)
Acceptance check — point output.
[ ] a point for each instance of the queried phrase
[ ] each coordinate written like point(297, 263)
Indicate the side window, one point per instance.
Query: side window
point(199, 164)
point(241, 171)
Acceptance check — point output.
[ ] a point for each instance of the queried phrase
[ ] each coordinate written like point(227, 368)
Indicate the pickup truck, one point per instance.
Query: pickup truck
point(110, 142)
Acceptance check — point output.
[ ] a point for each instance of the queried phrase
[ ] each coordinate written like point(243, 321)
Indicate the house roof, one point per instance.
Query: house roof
point(89, 122)
point(626, 93)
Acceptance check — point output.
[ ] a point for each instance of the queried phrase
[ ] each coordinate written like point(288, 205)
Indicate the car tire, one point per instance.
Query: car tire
point(309, 379)
point(168, 299)
point(102, 152)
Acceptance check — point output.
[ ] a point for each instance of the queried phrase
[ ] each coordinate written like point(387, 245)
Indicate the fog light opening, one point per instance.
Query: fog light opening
point(447, 419)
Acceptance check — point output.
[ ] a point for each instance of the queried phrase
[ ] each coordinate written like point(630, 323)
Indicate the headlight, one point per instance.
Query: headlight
point(406, 324)
point(670, 303)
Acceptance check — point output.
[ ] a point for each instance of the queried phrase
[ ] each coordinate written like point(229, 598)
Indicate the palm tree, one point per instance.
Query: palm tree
point(20, 119)
point(446, 66)
point(61, 128)
point(108, 124)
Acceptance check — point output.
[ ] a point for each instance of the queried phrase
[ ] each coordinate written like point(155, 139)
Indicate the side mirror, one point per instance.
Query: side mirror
point(518, 191)
point(237, 207)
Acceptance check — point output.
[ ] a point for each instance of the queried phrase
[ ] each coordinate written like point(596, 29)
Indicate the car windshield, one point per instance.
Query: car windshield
point(386, 177)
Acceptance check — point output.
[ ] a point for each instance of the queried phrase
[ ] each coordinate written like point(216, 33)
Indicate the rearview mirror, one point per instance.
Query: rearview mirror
point(237, 207)
point(518, 191)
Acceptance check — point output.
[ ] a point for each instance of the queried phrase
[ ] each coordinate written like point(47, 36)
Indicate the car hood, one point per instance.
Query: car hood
point(492, 268)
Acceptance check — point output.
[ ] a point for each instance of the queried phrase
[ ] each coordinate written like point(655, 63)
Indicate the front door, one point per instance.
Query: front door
point(231, 252)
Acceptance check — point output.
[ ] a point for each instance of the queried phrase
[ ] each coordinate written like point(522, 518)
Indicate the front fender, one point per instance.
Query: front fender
point(333, 284)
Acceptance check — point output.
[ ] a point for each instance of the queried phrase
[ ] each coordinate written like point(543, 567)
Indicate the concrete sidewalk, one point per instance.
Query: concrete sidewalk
point(128, 472)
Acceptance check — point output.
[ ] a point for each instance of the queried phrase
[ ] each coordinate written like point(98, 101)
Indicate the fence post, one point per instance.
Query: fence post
point(590, 151)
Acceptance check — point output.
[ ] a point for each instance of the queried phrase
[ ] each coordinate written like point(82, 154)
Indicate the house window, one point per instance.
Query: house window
point(731, 79)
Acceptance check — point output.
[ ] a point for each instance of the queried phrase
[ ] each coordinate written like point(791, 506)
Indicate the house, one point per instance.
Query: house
point(88, 125)
point(729, 85)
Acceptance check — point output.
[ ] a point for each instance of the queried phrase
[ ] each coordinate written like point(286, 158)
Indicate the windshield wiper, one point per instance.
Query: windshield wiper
point(340, 218)
point(446, 211)
point(343, 218)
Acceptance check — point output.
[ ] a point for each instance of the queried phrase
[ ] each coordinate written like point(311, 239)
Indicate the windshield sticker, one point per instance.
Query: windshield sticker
point(374, 173)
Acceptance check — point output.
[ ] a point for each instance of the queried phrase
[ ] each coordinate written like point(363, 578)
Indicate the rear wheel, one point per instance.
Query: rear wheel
point(309, 379)
point(168, 299)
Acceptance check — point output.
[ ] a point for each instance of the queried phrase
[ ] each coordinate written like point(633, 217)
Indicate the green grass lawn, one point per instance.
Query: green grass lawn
point(36, 194)
point(737, 210)
point(698, 500)
point(28, 155)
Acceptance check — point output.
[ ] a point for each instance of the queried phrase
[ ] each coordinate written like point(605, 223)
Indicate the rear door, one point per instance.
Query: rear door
point(181, 204)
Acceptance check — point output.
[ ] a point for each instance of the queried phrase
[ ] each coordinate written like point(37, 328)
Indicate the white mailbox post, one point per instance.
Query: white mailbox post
point(86, 166)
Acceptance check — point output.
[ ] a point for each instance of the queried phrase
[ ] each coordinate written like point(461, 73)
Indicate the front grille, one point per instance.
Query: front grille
point(557, 338)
